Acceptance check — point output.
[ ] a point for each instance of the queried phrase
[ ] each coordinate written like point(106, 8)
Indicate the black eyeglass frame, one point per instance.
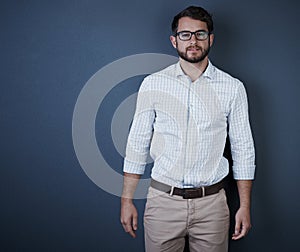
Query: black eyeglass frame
point(191, 34)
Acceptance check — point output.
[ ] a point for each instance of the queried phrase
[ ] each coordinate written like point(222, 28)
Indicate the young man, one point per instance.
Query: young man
point(182, 116)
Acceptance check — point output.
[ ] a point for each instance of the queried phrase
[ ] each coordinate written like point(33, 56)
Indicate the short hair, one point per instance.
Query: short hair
point(194, 12)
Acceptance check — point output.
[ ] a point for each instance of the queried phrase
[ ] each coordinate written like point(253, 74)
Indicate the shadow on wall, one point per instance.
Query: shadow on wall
point(231, 192)
point(222, 53)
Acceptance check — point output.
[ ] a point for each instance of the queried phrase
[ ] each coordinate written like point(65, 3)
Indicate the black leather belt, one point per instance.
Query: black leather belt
point(188, 193)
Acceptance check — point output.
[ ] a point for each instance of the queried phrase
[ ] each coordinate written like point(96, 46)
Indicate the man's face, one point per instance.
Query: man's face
point(193, 50)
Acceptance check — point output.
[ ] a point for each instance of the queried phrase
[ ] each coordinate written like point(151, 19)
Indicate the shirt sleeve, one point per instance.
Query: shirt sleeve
point(139, 138)
point(241, 141)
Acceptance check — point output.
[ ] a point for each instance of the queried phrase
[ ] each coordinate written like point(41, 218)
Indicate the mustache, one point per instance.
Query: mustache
point(194, 47)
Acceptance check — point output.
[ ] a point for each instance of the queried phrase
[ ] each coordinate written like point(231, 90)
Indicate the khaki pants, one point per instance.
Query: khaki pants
point(168, 219)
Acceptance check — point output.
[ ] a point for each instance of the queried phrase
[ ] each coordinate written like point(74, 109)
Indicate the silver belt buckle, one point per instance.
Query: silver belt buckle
point(172, 191)
point(203, 191)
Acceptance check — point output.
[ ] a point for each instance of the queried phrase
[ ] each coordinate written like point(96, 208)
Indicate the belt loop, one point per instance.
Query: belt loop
point(203, 191)
point(172, 191)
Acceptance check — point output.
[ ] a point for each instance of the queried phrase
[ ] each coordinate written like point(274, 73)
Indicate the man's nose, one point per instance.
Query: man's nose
point(193, 39)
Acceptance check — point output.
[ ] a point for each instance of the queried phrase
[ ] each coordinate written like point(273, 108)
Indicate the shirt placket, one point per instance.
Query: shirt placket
point(187, 158)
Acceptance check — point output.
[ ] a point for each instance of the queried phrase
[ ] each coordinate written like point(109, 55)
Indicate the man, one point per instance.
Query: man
point(183, 115)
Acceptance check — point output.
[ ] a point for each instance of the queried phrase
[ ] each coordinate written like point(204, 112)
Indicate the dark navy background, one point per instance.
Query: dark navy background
point(49, 49)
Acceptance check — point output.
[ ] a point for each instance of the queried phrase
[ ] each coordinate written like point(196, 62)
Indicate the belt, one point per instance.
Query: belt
point(188, 193)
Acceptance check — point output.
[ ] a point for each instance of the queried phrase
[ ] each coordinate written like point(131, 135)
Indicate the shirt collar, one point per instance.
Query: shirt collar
point(208, 73)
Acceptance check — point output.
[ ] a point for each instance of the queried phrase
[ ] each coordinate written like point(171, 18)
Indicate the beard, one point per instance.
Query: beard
point(194, 59)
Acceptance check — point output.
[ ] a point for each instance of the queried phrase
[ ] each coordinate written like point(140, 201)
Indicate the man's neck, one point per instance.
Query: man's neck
point(193, 70)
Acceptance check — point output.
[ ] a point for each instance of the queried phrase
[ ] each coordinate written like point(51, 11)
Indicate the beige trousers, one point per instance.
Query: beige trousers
point(168, 219)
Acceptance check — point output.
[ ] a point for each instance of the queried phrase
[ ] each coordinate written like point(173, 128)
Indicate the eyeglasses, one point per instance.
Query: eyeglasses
point(187, 35)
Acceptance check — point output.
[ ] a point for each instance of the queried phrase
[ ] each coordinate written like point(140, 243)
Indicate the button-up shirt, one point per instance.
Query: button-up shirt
point(184, 125)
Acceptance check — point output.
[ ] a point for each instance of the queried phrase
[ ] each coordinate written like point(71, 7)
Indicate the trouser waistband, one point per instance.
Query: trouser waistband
point(188, 193)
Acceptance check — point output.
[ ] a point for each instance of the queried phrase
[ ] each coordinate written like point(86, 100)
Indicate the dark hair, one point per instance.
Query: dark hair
point(194, 12)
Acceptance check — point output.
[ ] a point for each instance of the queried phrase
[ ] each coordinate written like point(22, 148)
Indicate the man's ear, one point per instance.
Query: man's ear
point(211, 39)
point(173, 41)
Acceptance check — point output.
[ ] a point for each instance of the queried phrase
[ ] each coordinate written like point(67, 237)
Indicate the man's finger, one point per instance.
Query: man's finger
point(240, 233)
point(131, 232)
point(237, 231)
point(238, 227)
point(135, 222)
point(128, 229)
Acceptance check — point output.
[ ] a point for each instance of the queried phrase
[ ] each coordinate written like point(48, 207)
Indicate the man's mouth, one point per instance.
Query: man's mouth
point(193, 48)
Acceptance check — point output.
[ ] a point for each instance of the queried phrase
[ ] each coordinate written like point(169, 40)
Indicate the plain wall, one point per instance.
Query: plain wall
point(50, 49)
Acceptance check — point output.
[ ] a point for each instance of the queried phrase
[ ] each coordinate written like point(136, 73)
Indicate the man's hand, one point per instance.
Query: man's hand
point(242, 223)
point(242, 217)
point(129, 213)
point(129, 216)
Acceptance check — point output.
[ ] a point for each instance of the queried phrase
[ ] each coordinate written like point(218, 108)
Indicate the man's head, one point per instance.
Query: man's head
point(196, 13)
point(192, 34)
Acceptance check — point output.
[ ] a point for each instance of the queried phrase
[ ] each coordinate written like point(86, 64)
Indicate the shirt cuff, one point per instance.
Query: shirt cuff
point(244, 173)
point(134, 168)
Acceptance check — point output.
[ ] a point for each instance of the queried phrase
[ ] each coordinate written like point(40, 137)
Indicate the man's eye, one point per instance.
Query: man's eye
point(200, 34)
point(185, 35)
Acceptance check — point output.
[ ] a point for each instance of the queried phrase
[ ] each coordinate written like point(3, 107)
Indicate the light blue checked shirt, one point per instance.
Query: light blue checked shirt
point(183, 125)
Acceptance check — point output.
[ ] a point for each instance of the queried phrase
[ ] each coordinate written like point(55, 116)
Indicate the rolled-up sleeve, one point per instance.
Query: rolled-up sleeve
point(139, 138)
point(241, 140)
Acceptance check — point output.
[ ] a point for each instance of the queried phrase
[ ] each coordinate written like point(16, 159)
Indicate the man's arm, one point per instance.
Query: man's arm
point(137, 149)
point(243, 156)
point(129, 215)
point(242, 217)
